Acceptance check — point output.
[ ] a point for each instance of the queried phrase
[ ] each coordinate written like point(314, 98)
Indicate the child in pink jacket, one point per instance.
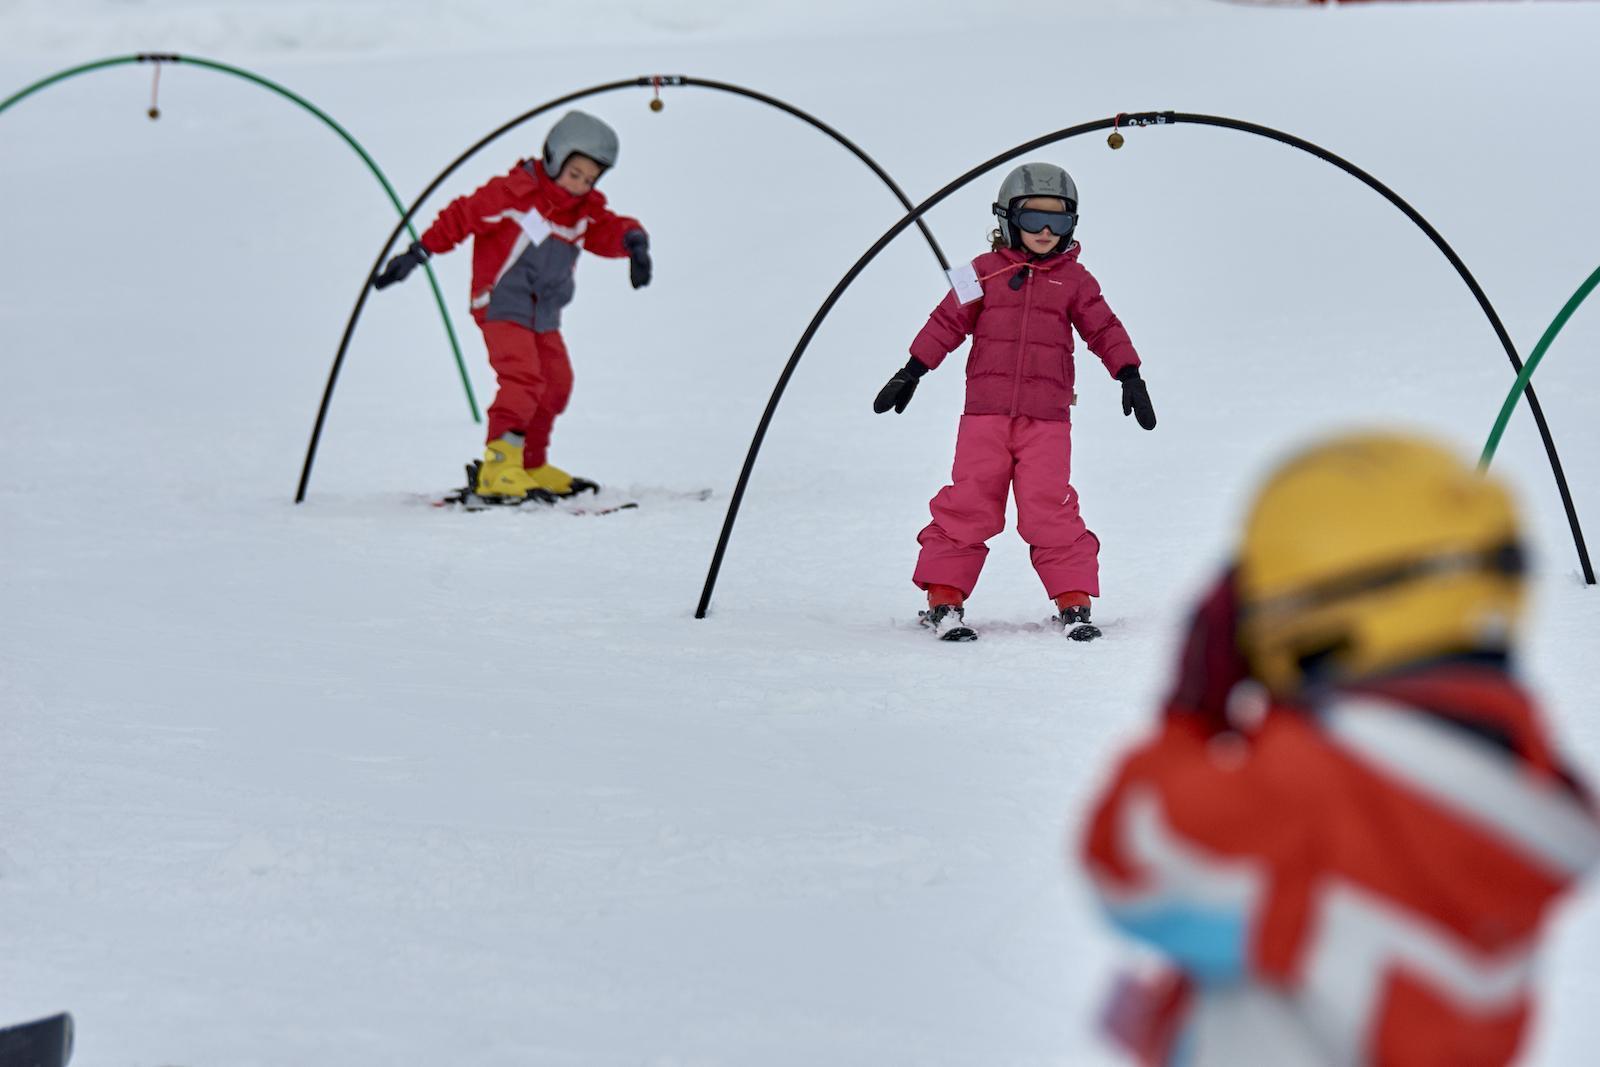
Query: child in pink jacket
point(1019, 303)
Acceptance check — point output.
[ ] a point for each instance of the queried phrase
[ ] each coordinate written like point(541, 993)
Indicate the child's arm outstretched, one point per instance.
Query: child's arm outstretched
point(463, 217)
point(951, 323)
point(1106, 337)
point(615, 236)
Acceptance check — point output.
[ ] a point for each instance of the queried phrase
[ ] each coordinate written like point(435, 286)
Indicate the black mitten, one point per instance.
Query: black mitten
point(1136, 397)
point(897, 393)
point(400, 266)
point(637, 242)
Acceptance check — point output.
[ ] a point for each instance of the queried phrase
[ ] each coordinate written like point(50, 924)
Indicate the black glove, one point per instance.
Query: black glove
point(637, 242)
point(400, 266)
point(897, 394)
point(1136, 398)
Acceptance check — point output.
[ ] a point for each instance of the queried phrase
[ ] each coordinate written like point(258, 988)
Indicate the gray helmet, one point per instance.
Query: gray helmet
point(580, 132)
point(1034, 179)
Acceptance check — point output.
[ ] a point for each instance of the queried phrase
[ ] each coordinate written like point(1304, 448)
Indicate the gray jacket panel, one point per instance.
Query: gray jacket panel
point(536, 286)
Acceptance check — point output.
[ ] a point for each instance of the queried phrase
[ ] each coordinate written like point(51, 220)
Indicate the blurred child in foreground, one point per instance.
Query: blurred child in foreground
point(1361, 871)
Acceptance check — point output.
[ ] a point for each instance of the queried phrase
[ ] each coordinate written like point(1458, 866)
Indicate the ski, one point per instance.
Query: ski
point(467, 500)
point(41, 1043)
point(585, 499)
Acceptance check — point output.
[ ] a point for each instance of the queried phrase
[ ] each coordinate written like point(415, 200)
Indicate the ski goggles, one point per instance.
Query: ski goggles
point(1509, 560)
point(1032, 220)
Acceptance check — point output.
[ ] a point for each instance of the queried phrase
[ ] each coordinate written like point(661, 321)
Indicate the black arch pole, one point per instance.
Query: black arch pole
point(657, 81)
point(1466, 275)
point(827, 305)
point(1143, 118)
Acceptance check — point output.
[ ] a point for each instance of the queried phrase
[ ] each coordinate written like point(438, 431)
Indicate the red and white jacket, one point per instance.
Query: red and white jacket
point(527, 231)
point(1362, 883)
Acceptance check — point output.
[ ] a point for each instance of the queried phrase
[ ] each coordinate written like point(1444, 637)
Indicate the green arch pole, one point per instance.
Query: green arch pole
point(327, 120)
point(1526, 375)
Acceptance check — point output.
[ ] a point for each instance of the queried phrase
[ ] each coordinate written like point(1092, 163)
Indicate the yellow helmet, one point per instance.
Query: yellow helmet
point(1371, 551)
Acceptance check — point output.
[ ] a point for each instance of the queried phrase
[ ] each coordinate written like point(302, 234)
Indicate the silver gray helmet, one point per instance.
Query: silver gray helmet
point(580, 132)
point(1034, 179)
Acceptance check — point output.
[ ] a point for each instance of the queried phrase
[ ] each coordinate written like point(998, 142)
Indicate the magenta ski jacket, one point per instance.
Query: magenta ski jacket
point(1021, 330)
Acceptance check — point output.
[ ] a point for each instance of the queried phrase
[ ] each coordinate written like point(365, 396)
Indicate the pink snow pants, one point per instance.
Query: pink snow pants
point(1033, 457)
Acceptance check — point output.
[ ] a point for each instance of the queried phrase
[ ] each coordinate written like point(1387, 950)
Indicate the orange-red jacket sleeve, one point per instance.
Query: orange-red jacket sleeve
point(607, 229)
point(469, 215)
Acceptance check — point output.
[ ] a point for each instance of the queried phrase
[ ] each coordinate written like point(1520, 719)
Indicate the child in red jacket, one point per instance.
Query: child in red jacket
point(1358, 864)
point(527, 228)
point(1019, 303)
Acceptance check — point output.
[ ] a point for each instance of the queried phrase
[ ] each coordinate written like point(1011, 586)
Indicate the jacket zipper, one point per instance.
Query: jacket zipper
point(1022, 349)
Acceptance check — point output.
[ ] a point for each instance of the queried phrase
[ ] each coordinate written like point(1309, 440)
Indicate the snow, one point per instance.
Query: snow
point(363, 782)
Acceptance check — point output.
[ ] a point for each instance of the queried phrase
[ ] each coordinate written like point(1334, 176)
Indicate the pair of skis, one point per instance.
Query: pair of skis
point(946, 629)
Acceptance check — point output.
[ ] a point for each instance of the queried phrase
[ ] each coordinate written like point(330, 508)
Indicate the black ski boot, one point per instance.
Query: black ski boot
point(1074, 622)
point(947, 621)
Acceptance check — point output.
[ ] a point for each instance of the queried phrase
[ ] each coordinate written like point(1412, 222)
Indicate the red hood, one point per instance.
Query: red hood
point(553, 200)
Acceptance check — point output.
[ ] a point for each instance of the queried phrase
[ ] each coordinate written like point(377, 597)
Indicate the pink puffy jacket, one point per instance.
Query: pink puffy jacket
point(1021, 360)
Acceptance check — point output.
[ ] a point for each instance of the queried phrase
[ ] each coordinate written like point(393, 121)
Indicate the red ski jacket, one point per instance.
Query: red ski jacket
point(527, 232)
point(1021, 360)
point(1365, 883)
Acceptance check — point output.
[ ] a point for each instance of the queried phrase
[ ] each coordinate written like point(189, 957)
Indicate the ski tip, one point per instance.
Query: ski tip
point(1084, 632)
point(43, 1042)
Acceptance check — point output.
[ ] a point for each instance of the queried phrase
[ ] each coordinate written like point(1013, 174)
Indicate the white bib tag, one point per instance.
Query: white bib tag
point(534, 225)
point(964, 280)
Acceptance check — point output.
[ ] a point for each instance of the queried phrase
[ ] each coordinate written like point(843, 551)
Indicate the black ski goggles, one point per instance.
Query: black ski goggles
point(1032, 220)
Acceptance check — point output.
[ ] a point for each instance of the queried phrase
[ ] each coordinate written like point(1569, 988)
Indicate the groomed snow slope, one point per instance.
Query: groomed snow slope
point(363, 783)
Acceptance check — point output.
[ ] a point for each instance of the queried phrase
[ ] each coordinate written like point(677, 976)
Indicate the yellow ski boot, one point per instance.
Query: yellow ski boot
point(558, 482)
point(501, 474)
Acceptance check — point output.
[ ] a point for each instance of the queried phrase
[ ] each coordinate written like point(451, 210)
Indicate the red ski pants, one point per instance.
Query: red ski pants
point(535, 383)
point(1033, 458)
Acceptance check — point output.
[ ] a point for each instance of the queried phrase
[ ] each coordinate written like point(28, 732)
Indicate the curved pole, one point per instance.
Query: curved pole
point(327, 120)
point(1566, 312)
point(827, 305)
point(1146, 118)
point(1461, 268)
point(657, 81)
